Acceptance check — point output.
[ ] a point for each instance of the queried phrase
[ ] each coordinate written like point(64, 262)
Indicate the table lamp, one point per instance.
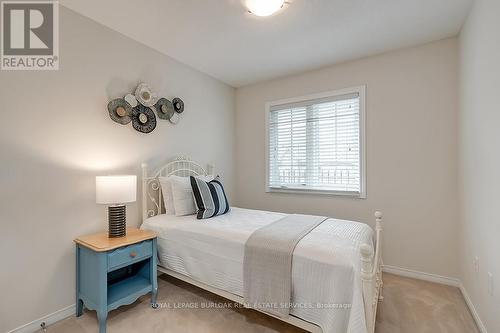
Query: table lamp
point(116, 191)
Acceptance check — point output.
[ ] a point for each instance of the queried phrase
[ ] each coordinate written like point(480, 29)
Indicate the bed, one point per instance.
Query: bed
point(336, 268)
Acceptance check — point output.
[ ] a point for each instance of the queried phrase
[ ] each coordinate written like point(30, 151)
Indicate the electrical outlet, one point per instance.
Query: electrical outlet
point(491, 288)
point(476, 264)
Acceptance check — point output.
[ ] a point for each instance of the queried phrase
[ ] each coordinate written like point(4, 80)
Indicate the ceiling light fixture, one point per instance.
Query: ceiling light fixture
point(264, 7)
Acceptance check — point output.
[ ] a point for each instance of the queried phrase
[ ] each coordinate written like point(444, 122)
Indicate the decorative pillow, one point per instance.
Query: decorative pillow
point(182, 194)
point(168, 198)
point(210, 197)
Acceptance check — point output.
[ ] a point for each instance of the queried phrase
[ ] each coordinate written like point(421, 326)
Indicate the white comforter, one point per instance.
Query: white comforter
point(325, 266)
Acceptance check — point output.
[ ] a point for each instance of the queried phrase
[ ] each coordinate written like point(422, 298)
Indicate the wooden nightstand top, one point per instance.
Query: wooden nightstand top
point(102, 243)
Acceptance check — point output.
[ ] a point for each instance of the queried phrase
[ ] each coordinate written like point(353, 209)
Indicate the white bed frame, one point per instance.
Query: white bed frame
point(371, 267)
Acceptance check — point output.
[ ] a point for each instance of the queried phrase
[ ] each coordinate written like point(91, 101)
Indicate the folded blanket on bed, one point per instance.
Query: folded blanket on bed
point(267, 265)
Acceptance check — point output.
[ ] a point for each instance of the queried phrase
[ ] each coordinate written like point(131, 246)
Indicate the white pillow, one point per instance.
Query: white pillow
point(168, 198)
point(183, 194)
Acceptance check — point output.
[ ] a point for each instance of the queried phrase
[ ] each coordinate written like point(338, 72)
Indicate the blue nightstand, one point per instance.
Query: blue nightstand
point(111, 272)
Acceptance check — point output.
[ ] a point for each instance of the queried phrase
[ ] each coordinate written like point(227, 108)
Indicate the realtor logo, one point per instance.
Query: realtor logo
point(30, 35)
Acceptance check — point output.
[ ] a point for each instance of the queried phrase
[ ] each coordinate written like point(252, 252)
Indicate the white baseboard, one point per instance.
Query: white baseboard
point(422, 276)
point(454, 282)
point(50, 319)
point(472, 309)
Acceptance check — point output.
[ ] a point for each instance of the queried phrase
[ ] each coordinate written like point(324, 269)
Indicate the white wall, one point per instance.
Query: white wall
point(480, 158)
point(411, 151)
point(56, 136)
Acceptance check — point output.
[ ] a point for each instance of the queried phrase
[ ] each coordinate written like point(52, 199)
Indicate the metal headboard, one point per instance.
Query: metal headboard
point(152, 197)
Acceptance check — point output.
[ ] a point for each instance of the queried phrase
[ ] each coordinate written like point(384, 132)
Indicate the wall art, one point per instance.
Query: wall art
point(140, 107)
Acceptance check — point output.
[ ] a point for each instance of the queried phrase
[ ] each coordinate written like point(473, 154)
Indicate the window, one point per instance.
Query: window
point(316, 144)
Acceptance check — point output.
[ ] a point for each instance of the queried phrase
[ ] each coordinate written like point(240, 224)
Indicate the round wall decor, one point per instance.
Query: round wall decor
point(141, 108)
point(131, 100)
point(120, 111)
point(164, 108)
point(178, 105)
point(143, 119)
point(175, 118)
point(144, 95)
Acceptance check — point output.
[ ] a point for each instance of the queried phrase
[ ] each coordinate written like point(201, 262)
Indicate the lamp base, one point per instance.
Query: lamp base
point(117, 221)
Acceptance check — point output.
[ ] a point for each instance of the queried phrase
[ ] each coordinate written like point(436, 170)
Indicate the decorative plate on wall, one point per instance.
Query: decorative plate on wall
point(178, 105)
point(144, 95)
point(141, 108)
point(164, 108)
point(143, 119)
point(175, 118)
point(131, 100)
point(120, 111)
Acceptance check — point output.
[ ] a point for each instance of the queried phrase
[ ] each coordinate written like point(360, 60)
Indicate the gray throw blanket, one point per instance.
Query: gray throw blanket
point(267, 265)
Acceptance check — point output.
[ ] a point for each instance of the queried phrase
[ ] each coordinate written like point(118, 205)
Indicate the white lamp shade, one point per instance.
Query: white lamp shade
point(115, 189)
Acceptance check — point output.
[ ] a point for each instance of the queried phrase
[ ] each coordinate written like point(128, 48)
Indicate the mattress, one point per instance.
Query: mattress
point(326, 283)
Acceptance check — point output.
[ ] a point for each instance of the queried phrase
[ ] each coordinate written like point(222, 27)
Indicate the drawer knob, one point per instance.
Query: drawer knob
point(133, 254)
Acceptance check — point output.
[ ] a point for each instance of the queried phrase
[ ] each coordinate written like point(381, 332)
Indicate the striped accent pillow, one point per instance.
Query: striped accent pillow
point(209, 197)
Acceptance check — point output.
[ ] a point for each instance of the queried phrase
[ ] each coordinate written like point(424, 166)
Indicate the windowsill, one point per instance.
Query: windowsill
point(310, 191)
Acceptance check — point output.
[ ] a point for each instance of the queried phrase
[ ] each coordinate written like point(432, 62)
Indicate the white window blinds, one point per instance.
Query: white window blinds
point(315, 145)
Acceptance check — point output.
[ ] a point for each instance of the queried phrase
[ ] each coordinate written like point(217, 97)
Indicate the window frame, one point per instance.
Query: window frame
point(361, 91)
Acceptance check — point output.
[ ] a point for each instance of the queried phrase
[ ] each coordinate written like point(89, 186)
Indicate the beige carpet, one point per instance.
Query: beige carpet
point(410, 306)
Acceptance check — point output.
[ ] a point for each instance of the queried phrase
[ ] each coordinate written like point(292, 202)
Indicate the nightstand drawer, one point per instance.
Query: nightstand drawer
point(129, 254)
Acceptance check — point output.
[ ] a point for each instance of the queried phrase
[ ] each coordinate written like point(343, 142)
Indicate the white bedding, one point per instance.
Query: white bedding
point(325, 266)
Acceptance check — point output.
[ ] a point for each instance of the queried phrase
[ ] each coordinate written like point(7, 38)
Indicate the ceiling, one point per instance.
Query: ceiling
point(220, 38)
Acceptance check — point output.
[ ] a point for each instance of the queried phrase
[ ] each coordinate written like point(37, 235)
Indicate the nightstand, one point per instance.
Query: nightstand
point(111, 272)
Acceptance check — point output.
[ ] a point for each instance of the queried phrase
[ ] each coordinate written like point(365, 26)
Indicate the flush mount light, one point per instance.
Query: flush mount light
point(264, 7)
